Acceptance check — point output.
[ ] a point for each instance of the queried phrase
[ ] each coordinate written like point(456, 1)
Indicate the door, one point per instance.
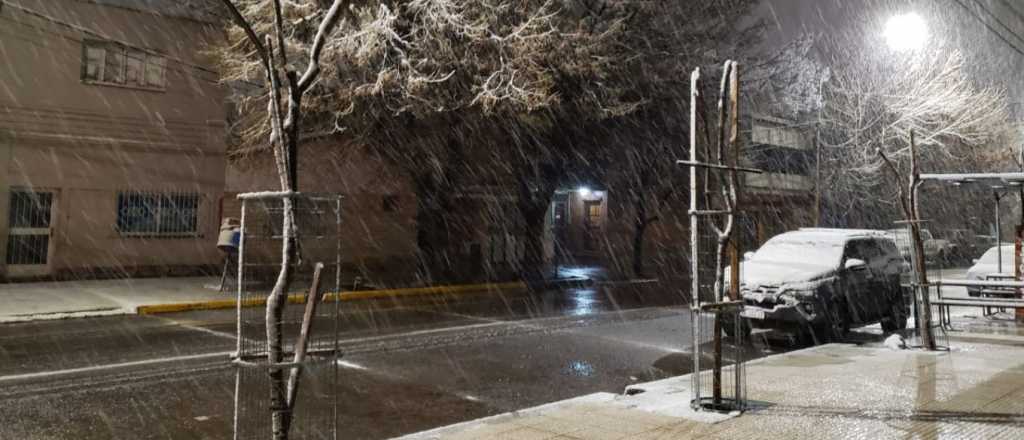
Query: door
point(858, 281)
point(591, 224)
point(560, 225)
point(29, 243)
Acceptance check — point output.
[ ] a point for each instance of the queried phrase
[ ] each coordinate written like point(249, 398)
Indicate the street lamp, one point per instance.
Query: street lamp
point(906, 32)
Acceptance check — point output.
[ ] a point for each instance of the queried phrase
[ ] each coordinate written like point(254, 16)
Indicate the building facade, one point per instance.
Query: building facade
point(112, 138)
point(378, 208)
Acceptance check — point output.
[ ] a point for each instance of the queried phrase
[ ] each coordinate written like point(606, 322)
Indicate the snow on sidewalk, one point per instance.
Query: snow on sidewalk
point(975, 390)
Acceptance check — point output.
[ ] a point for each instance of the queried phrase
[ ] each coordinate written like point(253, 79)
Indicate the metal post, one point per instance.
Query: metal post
point(915, 287)
point(999, 237)
point(694, 236)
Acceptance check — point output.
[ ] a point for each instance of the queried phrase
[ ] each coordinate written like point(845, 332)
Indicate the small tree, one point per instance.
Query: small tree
point(272, 56)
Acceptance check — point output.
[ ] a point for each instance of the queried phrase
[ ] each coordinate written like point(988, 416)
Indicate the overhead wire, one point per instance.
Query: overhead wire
point(998, 21)
point(6, 4)
point(989, 27)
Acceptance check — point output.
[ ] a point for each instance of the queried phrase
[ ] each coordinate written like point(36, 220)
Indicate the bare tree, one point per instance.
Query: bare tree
point(871, 101)
point(271, 53)
point(525, 91)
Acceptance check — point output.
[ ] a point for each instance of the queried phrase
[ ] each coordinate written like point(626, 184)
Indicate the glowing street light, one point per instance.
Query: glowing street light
point(906, 32)
point(584, 191)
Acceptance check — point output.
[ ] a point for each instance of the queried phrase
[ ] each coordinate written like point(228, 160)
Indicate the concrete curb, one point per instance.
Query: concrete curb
point(215, 304)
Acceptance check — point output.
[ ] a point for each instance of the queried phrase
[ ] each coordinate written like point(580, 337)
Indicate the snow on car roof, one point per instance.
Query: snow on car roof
point(829, 234)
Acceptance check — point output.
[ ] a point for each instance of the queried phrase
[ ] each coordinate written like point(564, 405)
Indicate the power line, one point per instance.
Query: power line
point(990, 28)
point(100, 35)
point(997, 20)
point(78, 28)
point(37, 44)
point(1013, 9)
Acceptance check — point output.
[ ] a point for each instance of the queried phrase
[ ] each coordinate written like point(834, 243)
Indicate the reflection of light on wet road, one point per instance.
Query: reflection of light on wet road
point(580, 272)
point(582, 302)
point(580, 369)
point(347, 364)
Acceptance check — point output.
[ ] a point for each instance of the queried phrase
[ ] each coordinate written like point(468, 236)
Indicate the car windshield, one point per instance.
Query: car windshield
point(992, 255)
point(796, 250)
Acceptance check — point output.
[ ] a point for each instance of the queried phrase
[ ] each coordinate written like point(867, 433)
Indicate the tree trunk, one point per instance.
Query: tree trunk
point(432, 234)
point(638, 249)
point(534, 263)
point(533, 206)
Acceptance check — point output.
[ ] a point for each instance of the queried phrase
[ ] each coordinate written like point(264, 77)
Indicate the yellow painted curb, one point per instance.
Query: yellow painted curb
point(465, 289)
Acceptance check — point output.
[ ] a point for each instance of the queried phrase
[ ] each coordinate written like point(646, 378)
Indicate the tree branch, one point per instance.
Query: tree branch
point(326, 27)
point(241, 22)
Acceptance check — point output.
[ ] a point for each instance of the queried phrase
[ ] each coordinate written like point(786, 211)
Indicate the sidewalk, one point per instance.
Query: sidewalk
point(68, 299)
point(834, 391)
point(21, 302)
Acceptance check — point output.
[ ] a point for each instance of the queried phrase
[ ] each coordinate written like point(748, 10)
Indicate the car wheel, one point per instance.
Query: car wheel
point(840, 322)
point(808, 335)
point(730, 329)
point(896, 321)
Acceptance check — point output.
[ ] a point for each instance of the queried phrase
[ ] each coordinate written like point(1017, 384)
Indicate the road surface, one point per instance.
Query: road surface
point(406, 366)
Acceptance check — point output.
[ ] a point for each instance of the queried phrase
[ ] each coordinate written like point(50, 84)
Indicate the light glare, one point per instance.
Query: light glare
point(906, 32)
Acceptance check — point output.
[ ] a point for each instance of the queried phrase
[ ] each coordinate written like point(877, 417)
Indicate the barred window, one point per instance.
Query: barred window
point(158, 214)
point(113, 63)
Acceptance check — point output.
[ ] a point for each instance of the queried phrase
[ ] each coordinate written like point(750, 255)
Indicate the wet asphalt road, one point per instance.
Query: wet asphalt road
point(407, 366)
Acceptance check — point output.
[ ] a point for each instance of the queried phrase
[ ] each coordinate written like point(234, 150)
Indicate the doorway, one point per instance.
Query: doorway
point(591, 224)
point(29, 240)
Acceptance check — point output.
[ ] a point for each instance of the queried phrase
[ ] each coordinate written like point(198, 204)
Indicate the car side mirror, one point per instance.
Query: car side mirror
point(748, 255)
point(975, 261)
point(855, 264)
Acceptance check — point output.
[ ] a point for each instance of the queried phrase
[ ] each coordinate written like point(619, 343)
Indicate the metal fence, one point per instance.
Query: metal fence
point(318, 219)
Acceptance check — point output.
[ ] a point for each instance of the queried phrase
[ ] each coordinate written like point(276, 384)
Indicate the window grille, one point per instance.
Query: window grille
point(29, 222)
point(158, 214)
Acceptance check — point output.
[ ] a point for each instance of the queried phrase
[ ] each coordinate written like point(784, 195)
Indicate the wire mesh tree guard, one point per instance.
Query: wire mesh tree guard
point(309, 325)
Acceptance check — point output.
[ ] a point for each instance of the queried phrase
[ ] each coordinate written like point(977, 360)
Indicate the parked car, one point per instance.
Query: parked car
point(988, 265)
point(817, 283)
point(966, 244)
point(936, 250)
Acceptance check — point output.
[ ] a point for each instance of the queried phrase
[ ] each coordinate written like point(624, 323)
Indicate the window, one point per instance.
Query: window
point(593, 214)
point(112, 63)
point(390, 203)
point(783, 160)
point(777, 135)
point(134, 67)
point(866, 250)
point(158, 214)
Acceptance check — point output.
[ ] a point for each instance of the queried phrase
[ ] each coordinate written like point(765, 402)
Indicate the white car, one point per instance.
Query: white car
point(988, 265)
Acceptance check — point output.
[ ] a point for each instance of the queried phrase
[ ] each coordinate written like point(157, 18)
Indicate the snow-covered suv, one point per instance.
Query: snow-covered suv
point(937, 250)
point(817, 283)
